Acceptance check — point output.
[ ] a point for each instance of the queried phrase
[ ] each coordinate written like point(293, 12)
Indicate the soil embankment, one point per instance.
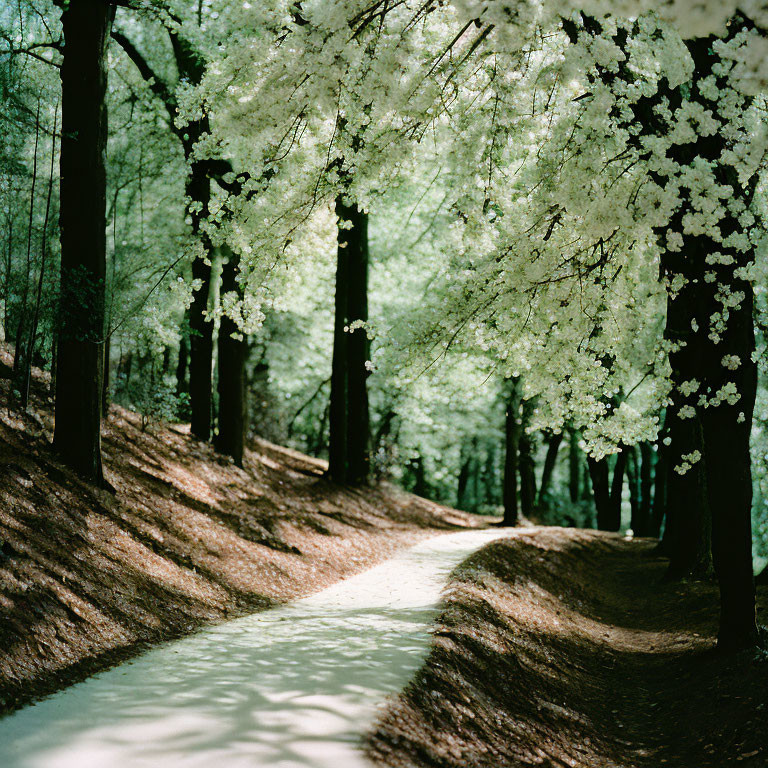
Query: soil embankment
point(560, 647)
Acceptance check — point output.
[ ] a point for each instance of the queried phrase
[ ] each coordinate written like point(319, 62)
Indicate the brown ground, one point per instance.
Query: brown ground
point(88, 577)
point(565, 648)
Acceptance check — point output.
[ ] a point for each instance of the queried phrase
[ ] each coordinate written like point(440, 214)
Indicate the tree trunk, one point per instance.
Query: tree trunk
point(512, 454)
point(54, 363)
point(598, 474)
point(420, 487)
point(349, 453)
point(80, 366)
point(617, 487)
point(358, 346)
point(471, 498)
point(727, 426)
point(233, 355)
point(727, 459)
point(200, 328)
point(127, 369)
point(687, 539)
point(527, 464)
point(688, 529)
point(338, 411)
point(718, 353)
point(660, 489)
point(633, 481)
point(182, 364)
point(574, 467)
point(644, 522)
point(550, 460)
point(166, 361)
point(710, 325)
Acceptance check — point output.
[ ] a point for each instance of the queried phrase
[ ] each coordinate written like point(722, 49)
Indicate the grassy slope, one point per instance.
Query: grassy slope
point(88, 577)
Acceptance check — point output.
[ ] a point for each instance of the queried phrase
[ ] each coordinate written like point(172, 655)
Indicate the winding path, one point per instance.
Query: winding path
point(293, 687)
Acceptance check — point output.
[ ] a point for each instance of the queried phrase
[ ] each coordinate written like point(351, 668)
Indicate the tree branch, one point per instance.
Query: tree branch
point(156, 84)
point(31, 51)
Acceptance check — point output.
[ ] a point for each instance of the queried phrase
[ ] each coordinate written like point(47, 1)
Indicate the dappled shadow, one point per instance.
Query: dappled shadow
point(294, 686)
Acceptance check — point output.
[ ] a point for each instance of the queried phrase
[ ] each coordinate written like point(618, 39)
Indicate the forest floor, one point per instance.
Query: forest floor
point(89, 578)
point(566, 648)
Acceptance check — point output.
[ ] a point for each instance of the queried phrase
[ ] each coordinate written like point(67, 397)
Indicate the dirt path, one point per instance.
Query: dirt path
point(564, 648)
point(295, 686)
point(88, 578)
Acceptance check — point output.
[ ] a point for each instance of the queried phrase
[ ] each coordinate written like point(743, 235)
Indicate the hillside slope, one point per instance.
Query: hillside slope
point(88, 577)
point(565, 648)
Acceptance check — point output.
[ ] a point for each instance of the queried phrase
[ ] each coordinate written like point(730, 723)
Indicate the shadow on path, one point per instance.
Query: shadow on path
point(293, 686)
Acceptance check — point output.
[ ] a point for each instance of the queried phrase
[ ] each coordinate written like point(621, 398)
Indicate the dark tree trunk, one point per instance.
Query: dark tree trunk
point(720, 431)
point(80, 365)
point(474, 476)
point(644, 522)
point(574, 467)
point(384, 441)
point(687, 533)
point(633, 482)
point(233, 355)
point(200, 328)
point(527, 464)
point(706, 330)
point(728, 464)
point(660, 489)
point(550, 460)
point(349, 452)
point(598, 474)
point(512, 453)
point(617, 486)
point(338, 413)
point(587, 491)
point(358, 345)
point(688, 530)
point(726, 427)
point(54, 363)
point(182, 364)
point(471, 499)
point(420, 487)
